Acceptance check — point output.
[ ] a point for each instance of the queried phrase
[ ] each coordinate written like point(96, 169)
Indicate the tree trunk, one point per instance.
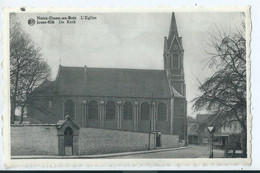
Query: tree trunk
point(243, 140)
point(22, 113)
point(13, 107)
point(13, 104)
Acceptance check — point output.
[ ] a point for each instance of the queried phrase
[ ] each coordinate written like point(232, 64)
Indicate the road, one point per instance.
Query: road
point(189, 152)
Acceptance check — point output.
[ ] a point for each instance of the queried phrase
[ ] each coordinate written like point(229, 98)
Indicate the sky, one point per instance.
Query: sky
point(129, 40)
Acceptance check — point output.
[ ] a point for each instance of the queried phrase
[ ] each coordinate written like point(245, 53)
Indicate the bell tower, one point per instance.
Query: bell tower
point(173, 58)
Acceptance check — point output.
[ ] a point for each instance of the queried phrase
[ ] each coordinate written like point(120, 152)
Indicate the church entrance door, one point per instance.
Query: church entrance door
point(68, 141)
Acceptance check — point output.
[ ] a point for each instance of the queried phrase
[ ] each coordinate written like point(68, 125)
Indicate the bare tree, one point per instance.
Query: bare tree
point(27, 68)
point(224, 93)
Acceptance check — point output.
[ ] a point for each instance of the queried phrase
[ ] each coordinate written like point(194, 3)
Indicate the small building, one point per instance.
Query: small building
point(228, 131)
point(193, 126)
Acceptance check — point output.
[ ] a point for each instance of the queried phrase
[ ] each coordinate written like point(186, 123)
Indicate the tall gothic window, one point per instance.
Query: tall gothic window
point(162, 110)
point(175, 61)
point(128, 111)
point(93, 110)
point(110, 110)
point(69, 108)
point(145, 111)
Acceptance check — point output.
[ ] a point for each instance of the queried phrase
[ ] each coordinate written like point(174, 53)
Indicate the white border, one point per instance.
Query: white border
point(167, 162)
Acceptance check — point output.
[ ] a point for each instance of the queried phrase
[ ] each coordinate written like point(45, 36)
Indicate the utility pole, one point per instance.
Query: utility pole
point(150, 124)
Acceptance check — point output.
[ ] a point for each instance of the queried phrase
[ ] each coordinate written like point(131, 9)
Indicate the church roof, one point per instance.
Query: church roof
point(46, 87)
point(112, 82)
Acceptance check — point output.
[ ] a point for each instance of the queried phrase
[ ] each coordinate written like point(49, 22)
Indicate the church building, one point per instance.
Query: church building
point(121, 99)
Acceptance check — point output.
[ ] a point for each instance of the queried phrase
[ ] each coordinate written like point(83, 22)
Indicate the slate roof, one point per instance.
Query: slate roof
point(60, 123)
point(115, 82)
point(173, 29)
point(112, 82)
point(46, 87)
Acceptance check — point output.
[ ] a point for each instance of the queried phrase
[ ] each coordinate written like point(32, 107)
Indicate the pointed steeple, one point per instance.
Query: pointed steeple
point(173, 58)
point(173, 29)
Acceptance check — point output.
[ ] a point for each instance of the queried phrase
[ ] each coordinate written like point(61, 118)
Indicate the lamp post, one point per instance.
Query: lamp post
point(211, 131)
point(150, 123)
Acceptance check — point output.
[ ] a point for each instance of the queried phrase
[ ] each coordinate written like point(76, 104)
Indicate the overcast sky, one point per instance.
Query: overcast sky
point(129, 41)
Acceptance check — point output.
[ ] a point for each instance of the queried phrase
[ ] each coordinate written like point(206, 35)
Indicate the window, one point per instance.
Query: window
point(93, 110)
point(128, 110)
point(110, 110)
point(162, 111)
point(145, 111)
point(175, 61)
point(69, 108)
point(205, 140)
point(50, 104)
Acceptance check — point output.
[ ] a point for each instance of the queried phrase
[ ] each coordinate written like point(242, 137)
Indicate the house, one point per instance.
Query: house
point(193, 126)
point(228, 131)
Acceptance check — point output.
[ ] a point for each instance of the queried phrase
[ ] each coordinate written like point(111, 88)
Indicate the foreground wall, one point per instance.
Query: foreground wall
point(43, 140)
point(96, 141)
point(169, 141)
point(34, 140)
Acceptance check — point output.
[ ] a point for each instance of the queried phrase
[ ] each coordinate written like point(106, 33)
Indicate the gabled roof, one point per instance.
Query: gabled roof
point(112, 82)
point(60, 123)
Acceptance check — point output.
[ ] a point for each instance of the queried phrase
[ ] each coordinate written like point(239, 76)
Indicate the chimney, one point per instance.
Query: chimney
point(85, 73)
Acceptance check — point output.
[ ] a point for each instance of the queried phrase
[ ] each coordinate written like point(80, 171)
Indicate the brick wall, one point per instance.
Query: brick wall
point(34, 140)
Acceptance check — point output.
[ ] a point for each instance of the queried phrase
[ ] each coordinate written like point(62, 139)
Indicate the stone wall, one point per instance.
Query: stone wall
point(97, 141)
point(43, 140)
point(34, 140)
point(169, 141)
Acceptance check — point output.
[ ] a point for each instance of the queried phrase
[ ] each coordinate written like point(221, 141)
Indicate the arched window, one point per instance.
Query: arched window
point(69, 108)
point(162, 110)
point(128, 111)
point(145, 111)
point(175, 61)
point(110, 110)
point(93, 110)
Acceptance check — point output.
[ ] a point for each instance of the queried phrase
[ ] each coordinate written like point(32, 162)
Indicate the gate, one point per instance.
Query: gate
point(68, 141)
point(158, 139)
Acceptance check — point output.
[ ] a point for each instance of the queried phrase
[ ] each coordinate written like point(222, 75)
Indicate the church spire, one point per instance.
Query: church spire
point(173, 58)
point(173, 29)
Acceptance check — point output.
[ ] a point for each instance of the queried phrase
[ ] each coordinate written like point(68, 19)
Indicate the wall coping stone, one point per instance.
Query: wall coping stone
point(19, 125)
point(121, 130)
